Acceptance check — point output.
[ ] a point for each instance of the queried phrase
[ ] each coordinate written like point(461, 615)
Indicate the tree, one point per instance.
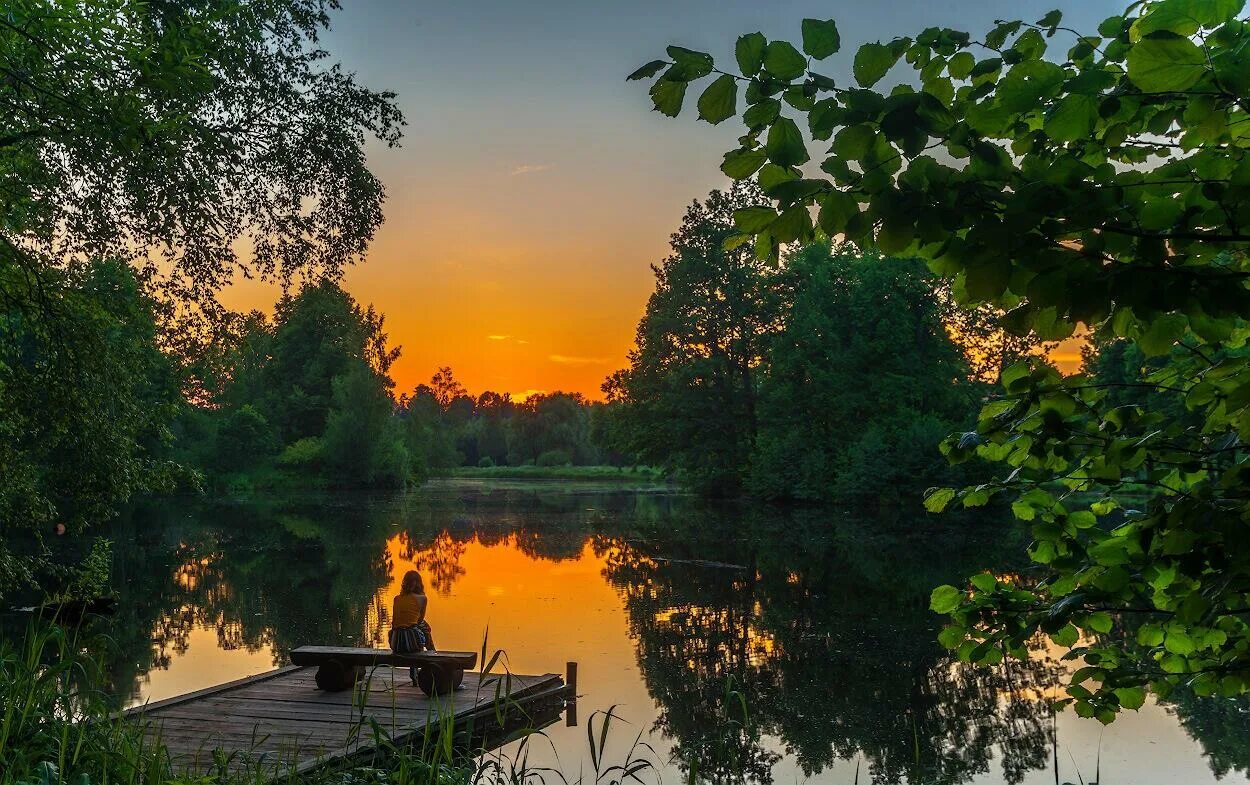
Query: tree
point(180, 128)
point(861, 364)
point(1107, 186)
point(690, 388)
point(319, 334)
point(92, 350)
point(170, 136)
point(363, 445)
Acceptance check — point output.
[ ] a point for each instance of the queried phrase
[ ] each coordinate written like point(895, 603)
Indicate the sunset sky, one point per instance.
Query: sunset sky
point(535, 187)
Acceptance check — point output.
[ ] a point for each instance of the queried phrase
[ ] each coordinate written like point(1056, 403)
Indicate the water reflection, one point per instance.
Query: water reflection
point(825, 633)
point(755, 641)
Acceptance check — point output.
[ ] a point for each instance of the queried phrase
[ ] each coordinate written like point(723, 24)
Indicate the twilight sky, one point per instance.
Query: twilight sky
point(535, 186)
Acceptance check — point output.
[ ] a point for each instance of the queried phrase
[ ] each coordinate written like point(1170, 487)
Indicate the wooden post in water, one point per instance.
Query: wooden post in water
point(570, 702)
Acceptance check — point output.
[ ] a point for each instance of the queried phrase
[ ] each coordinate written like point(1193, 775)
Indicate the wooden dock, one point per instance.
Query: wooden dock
point(277, 723)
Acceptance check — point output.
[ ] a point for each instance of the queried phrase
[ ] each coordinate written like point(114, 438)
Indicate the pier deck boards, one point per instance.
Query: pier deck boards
point(279, 721)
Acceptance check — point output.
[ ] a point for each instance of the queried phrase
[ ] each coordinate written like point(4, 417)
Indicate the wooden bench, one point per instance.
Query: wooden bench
point(340, 667)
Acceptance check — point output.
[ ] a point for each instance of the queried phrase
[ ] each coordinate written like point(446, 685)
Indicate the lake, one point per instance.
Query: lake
point(742, 643)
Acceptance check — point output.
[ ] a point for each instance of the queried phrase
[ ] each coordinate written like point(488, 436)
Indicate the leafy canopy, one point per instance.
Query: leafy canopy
point(187, 140)
point(1069, 177)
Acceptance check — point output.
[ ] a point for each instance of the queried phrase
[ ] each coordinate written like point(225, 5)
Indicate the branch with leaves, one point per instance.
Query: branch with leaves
point(1069, 178)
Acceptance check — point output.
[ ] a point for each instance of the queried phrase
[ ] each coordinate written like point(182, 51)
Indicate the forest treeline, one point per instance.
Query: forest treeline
point(307, 397)
point(831, 375)
point(828, 377)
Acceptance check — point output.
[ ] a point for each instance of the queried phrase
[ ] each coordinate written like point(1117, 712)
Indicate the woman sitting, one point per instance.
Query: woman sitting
point(410, 632)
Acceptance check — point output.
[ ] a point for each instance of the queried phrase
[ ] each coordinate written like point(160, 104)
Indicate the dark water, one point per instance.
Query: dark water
point(742, 643)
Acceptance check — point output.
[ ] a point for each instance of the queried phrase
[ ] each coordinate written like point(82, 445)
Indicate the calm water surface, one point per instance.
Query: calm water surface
point(816, 622)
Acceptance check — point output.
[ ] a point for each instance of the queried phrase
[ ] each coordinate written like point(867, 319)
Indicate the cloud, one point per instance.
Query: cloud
point(528, 169)
point(498, 337)
point(564, 359)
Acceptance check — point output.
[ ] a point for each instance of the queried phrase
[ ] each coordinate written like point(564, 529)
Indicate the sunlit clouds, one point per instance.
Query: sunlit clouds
point(528, 169)
point(564, 359)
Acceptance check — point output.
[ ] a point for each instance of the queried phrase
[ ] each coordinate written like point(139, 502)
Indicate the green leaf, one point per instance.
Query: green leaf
point(741, 164)
point(836, 210)
point(938, 499)
point(783, 61)
point(961, 65)
point(951, 636)
point(785, 144)
point(1165, 65)
point(688, 65)
point(945, 599)
point(872, 61)
point(1162, 334)
point(753, 220)
point(762, 114)
point(1073, 118)
point(821, 38)
point(1131, 697)
point(749, 52)
point(1099, 621)
point(647, 71)
point(854, 141)
point(1178, 642)
point(719, 101)
point(1051, 19)
point(1150, 635)
point(794, 224)
point(667, 96)
point(1067, 635)
point(984, 582)
point(1183, 17)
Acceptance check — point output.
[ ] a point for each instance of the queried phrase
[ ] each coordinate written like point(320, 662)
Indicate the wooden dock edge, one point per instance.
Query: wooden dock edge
point(356, 752)
point(143, 708)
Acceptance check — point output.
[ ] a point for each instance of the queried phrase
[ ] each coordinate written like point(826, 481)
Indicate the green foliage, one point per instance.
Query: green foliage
point(688, 397)
point(1105, 184)
point(363, 445)
point(48, 686)
point(85, 401)
point(244, 438)
point(554, 458)
point(163, 138)
point(859, 382)
point(309, 393)
point(182, 128)
point(307, 454)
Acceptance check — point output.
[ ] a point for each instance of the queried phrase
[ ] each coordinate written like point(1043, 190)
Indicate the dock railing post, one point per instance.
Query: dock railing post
point(570, 701)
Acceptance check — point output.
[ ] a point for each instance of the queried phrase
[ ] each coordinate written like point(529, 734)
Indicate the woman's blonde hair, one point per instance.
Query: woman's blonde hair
point(412, 583)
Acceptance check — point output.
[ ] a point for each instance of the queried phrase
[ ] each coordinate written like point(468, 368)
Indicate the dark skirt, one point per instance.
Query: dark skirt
point(409, 640)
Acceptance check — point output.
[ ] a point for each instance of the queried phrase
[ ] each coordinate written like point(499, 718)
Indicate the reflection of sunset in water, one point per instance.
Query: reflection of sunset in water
point(541, 613)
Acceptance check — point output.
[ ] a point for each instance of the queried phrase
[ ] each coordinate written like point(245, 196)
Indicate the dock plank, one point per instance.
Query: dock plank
point(281, 719)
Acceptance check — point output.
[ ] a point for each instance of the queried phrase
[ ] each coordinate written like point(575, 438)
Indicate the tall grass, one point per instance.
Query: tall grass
point(54, 720)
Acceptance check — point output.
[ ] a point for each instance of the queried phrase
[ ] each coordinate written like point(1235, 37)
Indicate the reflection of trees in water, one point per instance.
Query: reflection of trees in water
point(826, 633)
point(276, 576)
point(1220, 725)
point(439, 561)
point(261, 579)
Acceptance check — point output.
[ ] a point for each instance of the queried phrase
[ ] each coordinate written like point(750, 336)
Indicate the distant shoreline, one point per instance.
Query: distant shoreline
point(641, 474)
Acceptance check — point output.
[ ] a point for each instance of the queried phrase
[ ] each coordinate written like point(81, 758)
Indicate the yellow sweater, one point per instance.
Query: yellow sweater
point(408, 610)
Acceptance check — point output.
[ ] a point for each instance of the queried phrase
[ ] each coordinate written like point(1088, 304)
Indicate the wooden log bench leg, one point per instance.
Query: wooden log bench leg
point(336, 676)
point(438, 680)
